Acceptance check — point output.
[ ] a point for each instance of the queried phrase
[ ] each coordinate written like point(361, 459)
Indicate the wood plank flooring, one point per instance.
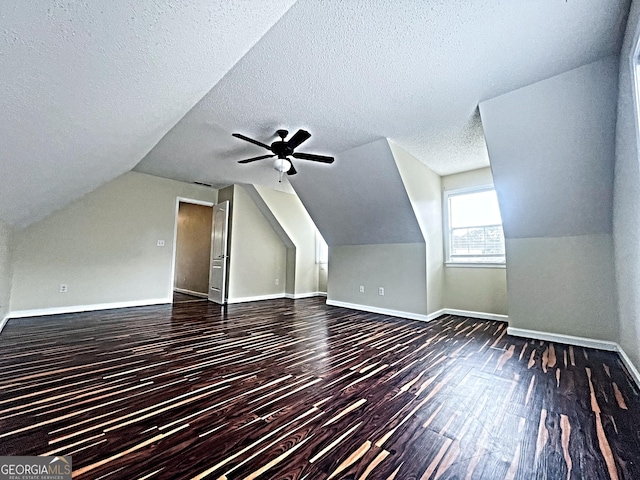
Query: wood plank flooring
point(179, 297)
point(286, 389)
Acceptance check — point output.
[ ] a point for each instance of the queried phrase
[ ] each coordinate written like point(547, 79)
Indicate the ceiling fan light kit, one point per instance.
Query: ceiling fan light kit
point(282, 165)
point(283, 149)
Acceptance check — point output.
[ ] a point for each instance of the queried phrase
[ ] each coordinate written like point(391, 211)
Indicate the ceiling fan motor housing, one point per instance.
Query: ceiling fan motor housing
point(281, 149)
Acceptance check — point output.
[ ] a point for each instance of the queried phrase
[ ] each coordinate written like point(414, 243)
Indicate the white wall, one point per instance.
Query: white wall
point(103, 247)
point(626, 214)
point(552, 150)
point(6, 269)
point(399, 268)
point(476, 289)
point(472, 178)
point(424, 188)
point(258, 256)
point(294, 219)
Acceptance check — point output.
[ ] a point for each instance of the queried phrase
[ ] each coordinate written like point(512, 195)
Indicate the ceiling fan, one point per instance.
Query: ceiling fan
point(283, 149)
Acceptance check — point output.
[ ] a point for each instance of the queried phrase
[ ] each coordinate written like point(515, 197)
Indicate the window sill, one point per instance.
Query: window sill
point(475, 265)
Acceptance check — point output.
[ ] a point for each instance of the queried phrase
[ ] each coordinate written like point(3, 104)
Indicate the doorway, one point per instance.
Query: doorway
point(192, 248)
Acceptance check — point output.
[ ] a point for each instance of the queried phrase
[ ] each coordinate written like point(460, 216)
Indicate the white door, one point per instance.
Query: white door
point(218, 273)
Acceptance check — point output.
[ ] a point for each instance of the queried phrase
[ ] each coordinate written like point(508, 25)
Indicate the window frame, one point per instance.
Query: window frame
point(447, 230)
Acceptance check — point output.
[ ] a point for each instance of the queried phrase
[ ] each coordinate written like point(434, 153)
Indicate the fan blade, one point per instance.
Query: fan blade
point(292, 170)
point(248, 160)
point(313, 157)
point(298, 137)
point(250, 140)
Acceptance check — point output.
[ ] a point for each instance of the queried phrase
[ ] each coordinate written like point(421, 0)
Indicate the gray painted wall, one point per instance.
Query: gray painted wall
point(399, 268)
point(268, 214)
point(563, 285)
point(552, 150)
point(6, 269)
point(476, 289)
point(103, 246)
point(323, 279)
point(360, 199)
point(626, 214)
point(424, 188)
point(291, 215)
point(552, 147)
point(257, 255)
point(290, 284)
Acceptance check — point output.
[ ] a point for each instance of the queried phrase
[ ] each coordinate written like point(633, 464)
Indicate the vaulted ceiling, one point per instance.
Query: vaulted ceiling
point(90, 90)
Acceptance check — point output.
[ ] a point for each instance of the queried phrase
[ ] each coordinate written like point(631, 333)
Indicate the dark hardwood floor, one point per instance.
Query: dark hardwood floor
point(288, 389)
point(179, 297)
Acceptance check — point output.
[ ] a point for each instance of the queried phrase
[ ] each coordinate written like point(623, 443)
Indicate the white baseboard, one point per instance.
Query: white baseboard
point(436, 314)
point(190, 292)
point(468, 313)
point(561, 338)
point(629, 364)
point(419, 316)
point(580, 342)
point(3, 322)
point(257, 298)
point(39, 312)
point(298, 296)
point(86, 308)
point(276, 296)
point(383, 311)
point(472, 314)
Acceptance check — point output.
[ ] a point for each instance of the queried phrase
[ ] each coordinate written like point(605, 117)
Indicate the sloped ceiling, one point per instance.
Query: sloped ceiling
point(552, 147)
point(88, 89)
point(374, 210)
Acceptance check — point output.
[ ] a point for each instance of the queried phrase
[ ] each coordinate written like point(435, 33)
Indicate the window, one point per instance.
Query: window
point(473, 227)
point(322, 250)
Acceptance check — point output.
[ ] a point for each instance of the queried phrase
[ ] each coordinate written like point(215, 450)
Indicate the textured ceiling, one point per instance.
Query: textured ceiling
point(411, 71)
point(88, 88)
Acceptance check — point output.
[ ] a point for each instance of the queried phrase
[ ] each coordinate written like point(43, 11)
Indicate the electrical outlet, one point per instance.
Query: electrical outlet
point(160, 243)
point(277, 281)
point(361, 288)
point(63, 288)
point(380, 290)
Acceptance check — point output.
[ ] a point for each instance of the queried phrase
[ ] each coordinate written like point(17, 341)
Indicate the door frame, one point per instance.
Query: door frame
point(172, 280)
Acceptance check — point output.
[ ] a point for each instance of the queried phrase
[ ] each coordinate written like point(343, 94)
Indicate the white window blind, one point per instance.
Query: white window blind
point(474, 227)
